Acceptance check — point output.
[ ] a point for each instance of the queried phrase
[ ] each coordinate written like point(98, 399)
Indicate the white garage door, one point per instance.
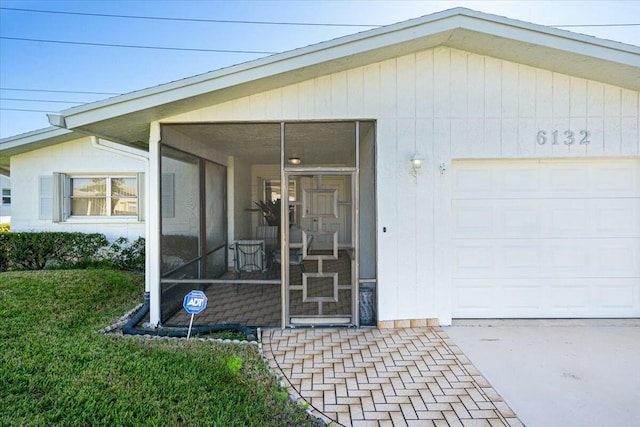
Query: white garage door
point(546, 238)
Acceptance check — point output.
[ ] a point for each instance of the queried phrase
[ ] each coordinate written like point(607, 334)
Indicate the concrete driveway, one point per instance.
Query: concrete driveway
point(559, 372)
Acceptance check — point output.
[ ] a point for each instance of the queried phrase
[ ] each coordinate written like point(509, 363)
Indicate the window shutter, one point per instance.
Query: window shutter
point(61, 197)
point(67, 197)
point(45, 193)
point(141, 197)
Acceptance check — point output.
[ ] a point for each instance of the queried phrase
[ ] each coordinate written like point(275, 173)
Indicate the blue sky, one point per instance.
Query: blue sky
point(65, 67)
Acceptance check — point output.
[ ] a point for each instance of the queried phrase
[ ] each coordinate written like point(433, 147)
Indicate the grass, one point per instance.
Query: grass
point(55, 369)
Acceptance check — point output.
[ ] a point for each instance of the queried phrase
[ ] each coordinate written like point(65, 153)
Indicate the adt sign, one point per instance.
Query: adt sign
point(194, 302)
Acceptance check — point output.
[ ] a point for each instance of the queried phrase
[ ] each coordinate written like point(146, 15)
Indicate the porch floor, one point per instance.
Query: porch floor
point(249, 305)
point(260, 304)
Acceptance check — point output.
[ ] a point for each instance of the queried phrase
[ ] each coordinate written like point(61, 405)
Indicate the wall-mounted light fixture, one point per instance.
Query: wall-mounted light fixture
point(416, 163)
point(294, 160)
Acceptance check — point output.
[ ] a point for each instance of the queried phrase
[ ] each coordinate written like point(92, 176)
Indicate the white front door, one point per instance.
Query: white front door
point(321, 278)
point(322, 198)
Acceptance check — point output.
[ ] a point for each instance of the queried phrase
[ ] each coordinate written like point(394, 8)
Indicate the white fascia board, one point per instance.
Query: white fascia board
point(356, 44)
point(40, 136)
point(553, 38)
point(549, 31)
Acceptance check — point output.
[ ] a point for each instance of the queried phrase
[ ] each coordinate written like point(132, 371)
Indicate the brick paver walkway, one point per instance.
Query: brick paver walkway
point(385, 377)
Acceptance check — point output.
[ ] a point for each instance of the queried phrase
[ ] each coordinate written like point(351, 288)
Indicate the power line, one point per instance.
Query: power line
point(58, 91)
point(228, 21)
point(40, 100)
point(28, 111)
point(218, 21)
point(595, 25)
point(139, 47)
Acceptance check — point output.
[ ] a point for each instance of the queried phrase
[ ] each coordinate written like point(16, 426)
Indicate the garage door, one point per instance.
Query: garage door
point(546, 238)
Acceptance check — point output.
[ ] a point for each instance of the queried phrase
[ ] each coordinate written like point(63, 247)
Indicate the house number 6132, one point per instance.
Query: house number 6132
point(568, 137)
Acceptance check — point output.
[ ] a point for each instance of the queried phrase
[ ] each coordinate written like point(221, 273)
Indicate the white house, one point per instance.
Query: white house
point(5, 199)
point(41, 162)
point(459, 165)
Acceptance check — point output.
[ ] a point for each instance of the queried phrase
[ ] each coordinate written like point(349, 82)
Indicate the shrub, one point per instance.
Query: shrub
point(44, 250)
point(40, 250)
point(4, 252)
point(5, 227)
point(126, 256)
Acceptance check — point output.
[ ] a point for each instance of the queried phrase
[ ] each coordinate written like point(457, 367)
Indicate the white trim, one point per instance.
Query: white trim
point(33, 136)
point(103, 220)
point(113, 147)
point(419, 33)
point(153, 257)
point(109, 218)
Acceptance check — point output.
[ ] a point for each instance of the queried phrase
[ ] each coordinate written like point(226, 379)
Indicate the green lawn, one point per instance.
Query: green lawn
point(55, 369)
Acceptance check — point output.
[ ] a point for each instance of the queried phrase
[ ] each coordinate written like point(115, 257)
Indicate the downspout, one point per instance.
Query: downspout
point(120, 149)
point(143, 156)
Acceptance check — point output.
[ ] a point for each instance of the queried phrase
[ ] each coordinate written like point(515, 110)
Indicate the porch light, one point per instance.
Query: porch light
point(294, 160)
point(416, 163)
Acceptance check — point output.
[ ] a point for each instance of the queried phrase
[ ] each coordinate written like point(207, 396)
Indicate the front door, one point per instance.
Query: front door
point(321, 275)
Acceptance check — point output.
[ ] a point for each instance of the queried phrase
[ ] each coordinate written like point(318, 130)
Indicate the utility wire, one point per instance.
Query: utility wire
point(27, 111)
point(139, 47)
point(228, 21)
point(58, 91)
point(595, 25)
point(40, 100)
point(219, 21)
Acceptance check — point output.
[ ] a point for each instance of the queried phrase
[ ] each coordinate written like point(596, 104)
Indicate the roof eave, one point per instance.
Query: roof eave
point(402, 37)
point(33, 140)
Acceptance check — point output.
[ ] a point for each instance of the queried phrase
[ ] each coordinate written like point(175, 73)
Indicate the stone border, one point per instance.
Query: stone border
point(121, 321)
point(115, 329)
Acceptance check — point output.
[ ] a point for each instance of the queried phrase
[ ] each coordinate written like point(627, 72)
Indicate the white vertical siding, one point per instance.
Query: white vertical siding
point(322, 96)
point(630, 123)
point(306, 104)
point(339, 98)
point(448, 104)
point(371, 91)
point(406, 87)
point(424, 84)
point(388, 90)
point(355, 93)
point(389, 217)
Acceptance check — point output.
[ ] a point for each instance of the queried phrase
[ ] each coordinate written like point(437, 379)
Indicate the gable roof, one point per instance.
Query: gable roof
point(32, 141)
point(126, 118)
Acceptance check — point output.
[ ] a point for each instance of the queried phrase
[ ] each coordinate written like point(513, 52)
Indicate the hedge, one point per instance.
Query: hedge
point(45, 250)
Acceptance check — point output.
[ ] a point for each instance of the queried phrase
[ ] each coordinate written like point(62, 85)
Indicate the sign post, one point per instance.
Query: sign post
point(194, 303)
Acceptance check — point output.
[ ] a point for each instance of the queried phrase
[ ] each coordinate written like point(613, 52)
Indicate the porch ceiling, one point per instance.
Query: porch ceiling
point(259, 143)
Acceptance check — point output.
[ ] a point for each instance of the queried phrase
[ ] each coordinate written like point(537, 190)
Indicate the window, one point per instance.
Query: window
point(104, 196)
point(64, 196)
point(6, 196)
point(272, 190)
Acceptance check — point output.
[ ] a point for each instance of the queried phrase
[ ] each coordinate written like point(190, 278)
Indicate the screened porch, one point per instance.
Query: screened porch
point(225, 215)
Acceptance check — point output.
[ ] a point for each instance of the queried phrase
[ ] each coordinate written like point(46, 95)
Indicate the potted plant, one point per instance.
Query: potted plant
point(270, 211)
